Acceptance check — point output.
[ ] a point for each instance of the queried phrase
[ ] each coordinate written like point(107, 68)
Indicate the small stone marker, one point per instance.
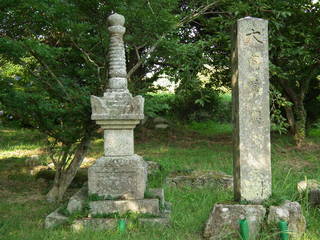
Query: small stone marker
point(223, 222)
point(290, 212)
point(250, 96)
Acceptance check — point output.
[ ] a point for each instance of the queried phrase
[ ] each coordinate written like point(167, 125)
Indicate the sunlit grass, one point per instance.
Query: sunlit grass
point(201, 146)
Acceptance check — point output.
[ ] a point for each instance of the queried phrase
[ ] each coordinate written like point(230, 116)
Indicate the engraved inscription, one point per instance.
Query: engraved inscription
point(255, 60)
point(254, 35)
point(254, 84)
point(256, 116)
point(115, 182)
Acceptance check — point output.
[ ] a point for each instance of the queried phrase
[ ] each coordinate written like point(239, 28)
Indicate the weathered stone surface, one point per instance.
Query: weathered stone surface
point(160, 120)
point(118, 142)
point(106, 107)
point(224, 221)
point(33, 160)
point(291, 213)
point(54, 219)
point(117, 57)
point(77, 200)
point(158, 193)
point(200, 179)
point(161, 126)
point(160, 123)
point(116, 177)
point(112, 223)
point(250, 94)
point(117, 103)
point(95, 223)
point(314, 197)
point(122, 206)
point(167, 208)
point(309, 184)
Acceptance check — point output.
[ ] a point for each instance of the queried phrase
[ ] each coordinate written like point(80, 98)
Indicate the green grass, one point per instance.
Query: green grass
point(200, 146)
point(211, 128)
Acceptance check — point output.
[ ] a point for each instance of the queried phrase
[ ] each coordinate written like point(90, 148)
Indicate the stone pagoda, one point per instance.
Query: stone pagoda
point(116, 181)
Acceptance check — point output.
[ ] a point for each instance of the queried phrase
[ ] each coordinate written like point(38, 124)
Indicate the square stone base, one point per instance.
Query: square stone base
point(122, 177)
point(150, 206)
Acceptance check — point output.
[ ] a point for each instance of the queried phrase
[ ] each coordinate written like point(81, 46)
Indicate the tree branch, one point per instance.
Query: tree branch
point(197, 13)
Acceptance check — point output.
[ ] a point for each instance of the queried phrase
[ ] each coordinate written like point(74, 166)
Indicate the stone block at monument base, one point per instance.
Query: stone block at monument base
point(150, 206)
point(224, 221)
point(118, 177)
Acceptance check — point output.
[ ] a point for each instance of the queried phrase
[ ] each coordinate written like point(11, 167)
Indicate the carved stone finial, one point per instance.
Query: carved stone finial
point(117, 57)
point(116, 20)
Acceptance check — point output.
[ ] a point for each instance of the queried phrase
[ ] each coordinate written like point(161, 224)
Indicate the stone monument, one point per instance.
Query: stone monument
point(120, 176)
point(116, 181)
point(251, 114)
point(251, 132)
point(119, 173)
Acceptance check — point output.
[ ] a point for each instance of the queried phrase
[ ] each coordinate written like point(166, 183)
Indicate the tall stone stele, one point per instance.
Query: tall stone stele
point(251, 135)
point(119, 173)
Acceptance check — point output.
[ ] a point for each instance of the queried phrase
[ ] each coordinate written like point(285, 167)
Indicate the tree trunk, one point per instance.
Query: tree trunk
point(300, 122)
point(290, 117)
point(64, 177)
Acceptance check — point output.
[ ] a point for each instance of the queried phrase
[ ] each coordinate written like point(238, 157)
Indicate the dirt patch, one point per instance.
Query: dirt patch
point(297, 163)
point(181, 138)
point(20, 153)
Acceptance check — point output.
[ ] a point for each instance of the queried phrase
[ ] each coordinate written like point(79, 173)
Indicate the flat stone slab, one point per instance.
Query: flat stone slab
point(54, 219)
point(158, 193)
point(200, 179)
point(112, 223)
point(95, 223)
point(224, 221)
point(150, 206)
point(77, 200)
point(291, 213)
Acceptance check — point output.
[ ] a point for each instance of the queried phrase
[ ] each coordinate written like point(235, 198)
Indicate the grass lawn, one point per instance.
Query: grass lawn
point(199, 146)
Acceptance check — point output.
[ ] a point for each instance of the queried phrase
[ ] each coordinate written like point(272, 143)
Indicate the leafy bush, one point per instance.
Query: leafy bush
point(279, 123)
point(196, 105)
point(158, 104)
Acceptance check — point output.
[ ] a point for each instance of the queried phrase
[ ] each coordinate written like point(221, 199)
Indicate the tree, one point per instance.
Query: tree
point(61, 48)
point(294, 30)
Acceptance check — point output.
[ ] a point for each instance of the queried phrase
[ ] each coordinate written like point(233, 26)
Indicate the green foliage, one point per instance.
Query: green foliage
point(211, 128)
point(158, 104)
point(64, 211)
point(197, 104)
point(59, 58)
point(277, 103)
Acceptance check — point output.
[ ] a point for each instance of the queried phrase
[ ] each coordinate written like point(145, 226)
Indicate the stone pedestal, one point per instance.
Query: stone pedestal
point(122, 177)
point(250, 96)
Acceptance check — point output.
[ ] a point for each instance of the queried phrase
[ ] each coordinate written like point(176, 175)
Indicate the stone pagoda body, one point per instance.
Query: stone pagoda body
point(117, 181)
